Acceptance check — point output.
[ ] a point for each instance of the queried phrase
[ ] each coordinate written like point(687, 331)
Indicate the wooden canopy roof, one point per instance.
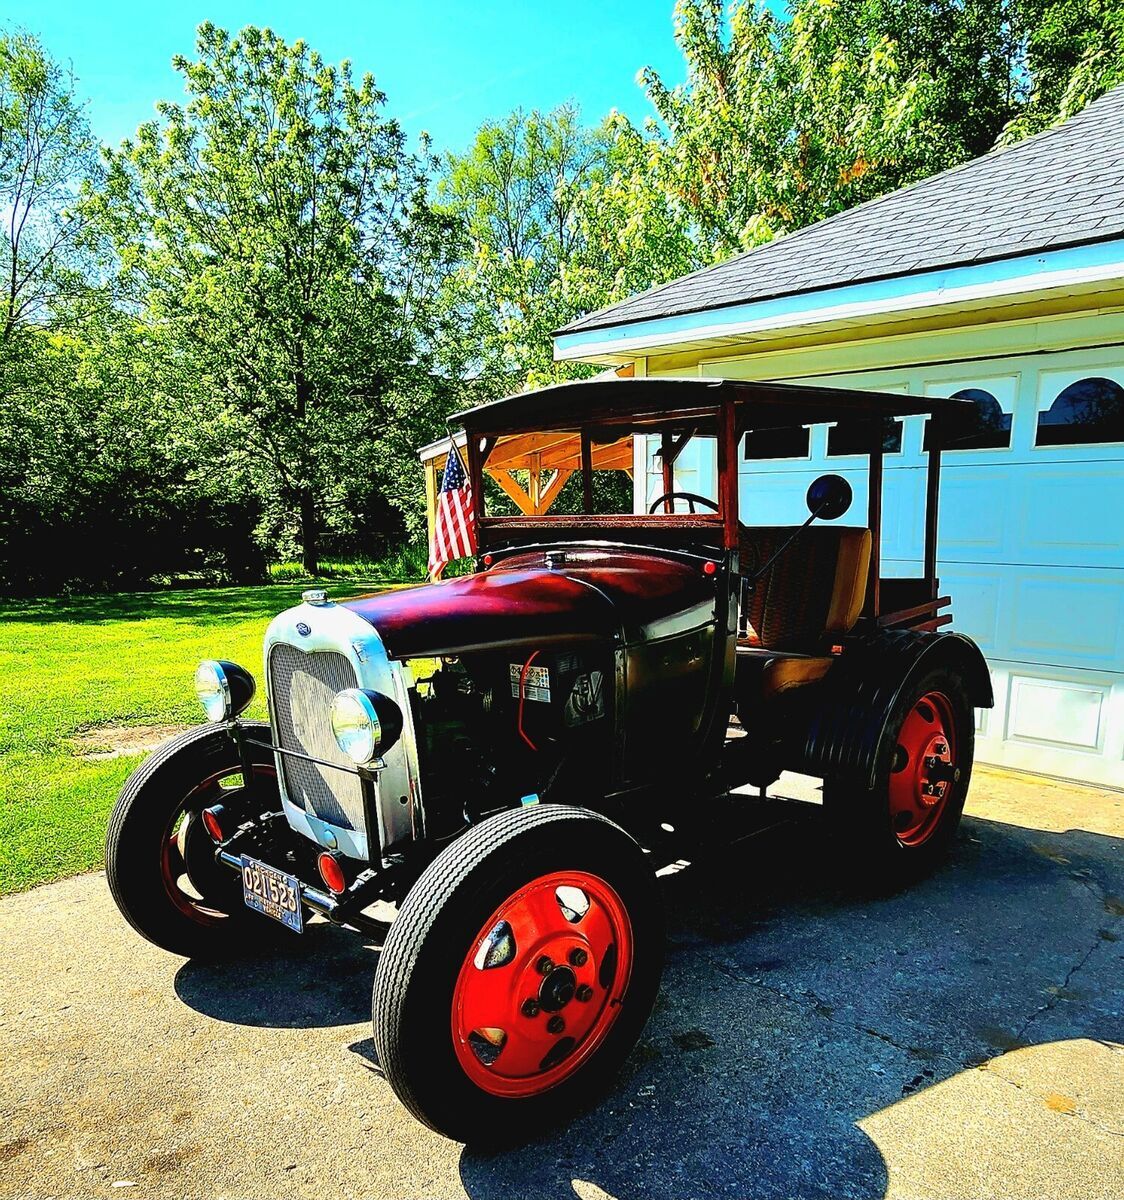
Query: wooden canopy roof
point(650, 401)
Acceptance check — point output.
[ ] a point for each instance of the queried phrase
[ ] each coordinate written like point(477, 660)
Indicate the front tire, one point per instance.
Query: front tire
point(904, 828)
point(519, 974)
point(159, 860)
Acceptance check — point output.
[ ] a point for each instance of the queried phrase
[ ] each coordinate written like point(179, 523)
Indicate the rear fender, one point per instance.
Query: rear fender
point(849, 730)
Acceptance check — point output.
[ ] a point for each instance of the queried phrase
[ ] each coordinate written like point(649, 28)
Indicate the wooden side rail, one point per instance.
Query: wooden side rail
point(920, 616)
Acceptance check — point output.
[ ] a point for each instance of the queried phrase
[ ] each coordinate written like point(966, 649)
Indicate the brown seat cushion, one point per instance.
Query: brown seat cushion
point(814, 589)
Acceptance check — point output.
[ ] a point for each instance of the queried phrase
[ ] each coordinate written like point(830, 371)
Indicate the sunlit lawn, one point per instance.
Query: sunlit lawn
point(68, 666)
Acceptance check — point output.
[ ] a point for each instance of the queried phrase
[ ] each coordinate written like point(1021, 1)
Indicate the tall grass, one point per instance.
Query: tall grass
point(406, 564)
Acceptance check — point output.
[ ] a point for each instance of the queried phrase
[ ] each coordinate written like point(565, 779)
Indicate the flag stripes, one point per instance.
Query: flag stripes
point(454, 525)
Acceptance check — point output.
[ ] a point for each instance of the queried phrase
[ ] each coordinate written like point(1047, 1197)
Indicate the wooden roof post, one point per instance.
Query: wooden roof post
point(728, 473)
point(874, 519)
point(430, 498)
point(936, 432)
point(587, 471)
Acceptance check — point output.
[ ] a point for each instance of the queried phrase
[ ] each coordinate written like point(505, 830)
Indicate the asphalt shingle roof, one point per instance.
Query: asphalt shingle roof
point(1063, 186)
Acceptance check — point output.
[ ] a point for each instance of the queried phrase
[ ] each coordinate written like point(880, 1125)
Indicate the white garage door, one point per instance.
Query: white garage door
point(1031, 541)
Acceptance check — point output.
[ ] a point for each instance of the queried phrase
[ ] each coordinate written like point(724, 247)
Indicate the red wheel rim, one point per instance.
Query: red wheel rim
point(173, 843)
point(542, 984)
point(924, 773)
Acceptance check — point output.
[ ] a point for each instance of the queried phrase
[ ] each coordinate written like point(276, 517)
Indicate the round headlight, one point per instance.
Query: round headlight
point(224, 688)
point(365, 724)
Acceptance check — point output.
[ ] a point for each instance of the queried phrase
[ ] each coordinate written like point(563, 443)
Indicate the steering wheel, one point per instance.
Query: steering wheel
point(691, 497)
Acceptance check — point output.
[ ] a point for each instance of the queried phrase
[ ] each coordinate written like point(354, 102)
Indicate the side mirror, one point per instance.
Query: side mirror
point(829, 497)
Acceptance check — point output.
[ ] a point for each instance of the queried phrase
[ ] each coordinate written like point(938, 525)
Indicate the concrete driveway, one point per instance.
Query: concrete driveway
point(961, 1040)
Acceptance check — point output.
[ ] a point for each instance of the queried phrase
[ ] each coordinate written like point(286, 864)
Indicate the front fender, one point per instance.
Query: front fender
point(848, 732)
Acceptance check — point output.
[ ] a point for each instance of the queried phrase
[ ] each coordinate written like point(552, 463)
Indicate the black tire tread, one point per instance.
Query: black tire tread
point(451, 871)
point(174, 755)
point(863, 849)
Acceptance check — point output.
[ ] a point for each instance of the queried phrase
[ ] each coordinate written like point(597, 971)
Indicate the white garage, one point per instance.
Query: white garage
point(1002, 282)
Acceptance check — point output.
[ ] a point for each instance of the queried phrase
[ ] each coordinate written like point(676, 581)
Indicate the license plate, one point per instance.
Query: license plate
point(271, 892)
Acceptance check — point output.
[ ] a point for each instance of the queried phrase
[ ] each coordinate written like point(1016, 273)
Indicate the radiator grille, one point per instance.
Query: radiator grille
point(301, 687)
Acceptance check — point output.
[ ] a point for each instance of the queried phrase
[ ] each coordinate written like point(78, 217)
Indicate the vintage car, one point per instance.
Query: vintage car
point(507, 755)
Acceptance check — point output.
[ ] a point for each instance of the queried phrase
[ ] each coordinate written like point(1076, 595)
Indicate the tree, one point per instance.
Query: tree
point(783, 122)
point(969, 54)
point(47, 154)
point(275, 229)
point(1074, 52)
point(557, 222)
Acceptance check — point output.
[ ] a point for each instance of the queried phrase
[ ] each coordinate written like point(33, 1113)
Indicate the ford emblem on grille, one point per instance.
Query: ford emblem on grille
point(303, 629)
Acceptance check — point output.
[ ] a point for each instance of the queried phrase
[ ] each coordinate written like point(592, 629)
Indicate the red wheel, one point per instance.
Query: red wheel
point(193, 882)
point(901, 828)
point(542, 984)
point(924, 774)
point(519, 974)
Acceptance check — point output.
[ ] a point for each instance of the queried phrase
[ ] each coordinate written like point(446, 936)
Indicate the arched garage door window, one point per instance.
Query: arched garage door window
point(1084, 413)
point(985, 426)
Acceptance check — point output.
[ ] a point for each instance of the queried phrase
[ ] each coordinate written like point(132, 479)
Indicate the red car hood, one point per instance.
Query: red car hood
point(595, 597)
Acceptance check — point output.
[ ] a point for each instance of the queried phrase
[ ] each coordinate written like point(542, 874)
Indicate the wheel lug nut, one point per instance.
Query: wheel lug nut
point(578, 957)
point(555, 1025)
point(584, 993)
point(544, 965)
point(530, 1008)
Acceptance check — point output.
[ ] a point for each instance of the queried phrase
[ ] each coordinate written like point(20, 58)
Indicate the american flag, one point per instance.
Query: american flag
point(454, 524)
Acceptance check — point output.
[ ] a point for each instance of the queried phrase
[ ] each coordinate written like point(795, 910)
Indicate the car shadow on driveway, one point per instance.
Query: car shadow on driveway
point(791, 1012)
point(318, 980)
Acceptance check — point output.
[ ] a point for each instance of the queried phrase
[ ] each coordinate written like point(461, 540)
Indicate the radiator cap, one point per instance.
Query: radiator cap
point(315, 596)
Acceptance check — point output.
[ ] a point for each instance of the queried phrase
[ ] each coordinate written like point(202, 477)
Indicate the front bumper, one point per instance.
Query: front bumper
point(260, 838)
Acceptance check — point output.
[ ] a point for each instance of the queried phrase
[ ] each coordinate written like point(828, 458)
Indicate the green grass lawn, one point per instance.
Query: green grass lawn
point(77, 665)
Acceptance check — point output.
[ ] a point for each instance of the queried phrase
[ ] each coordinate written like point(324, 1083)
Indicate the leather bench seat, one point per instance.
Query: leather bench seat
point(813, 592)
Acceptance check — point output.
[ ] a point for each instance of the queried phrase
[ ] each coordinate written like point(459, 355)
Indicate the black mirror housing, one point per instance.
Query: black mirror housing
point(829, 497)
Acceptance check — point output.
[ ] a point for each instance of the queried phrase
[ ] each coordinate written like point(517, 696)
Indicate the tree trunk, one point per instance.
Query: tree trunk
point(310, 532)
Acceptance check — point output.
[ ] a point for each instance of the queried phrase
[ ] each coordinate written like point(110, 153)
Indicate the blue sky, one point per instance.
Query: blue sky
point(445, 66)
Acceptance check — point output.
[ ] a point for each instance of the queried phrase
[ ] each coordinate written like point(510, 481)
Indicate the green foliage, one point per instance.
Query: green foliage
point(782, 122)
point(557, 222)
point(1074, 53)
point(275, 232)
point(47, 154)
point(99, 491)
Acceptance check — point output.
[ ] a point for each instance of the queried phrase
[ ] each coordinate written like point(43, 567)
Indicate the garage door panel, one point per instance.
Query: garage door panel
point(1075, 618)
point(1062, 513)
point(778, 499)
point(975, 513)
point(903, 497)
point(976, 605)
point(1057, 712)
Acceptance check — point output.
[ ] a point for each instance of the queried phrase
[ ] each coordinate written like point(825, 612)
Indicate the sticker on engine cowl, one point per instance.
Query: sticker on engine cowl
point(536, 684)
point(586, 701)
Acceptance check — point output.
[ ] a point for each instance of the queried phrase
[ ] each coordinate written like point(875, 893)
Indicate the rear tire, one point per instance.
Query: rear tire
point(898, 832)
point(159, 860)
point(484, 942)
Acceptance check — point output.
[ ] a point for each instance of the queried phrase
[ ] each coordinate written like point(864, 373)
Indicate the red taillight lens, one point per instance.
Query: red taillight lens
point(709, 568)
point(332, 873)
point(212, 823)
point(488, 560)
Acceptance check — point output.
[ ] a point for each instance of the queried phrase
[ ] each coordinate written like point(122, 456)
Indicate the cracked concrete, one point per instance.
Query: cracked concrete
point(962, 1040)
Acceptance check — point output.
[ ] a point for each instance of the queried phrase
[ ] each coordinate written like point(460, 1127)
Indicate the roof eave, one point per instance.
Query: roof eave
point(1063, 269)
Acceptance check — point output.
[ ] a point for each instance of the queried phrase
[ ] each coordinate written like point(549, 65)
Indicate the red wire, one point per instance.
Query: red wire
point(523, 696)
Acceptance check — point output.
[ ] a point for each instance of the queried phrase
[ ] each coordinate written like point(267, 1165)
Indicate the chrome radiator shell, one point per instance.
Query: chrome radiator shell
point(317, 647)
